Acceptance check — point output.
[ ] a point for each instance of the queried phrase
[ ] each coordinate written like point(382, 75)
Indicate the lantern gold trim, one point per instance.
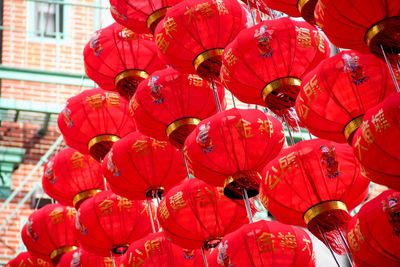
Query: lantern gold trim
point(84, 195)
point(178, 130)
point(155, 17)
point(306, 9)
point(208, 63)
point(59, 251)
point(351, 127)
point(385, 33)
point(323, 207)
point(100, 145)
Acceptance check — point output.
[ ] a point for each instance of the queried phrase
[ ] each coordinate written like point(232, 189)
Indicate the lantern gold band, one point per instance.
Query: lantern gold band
point(301, 4)
point(378, 28)
point(178, 123)
point(285, 81)
point(352, 126)
point(84, 195)
point(130, 73)
point(102, 138)
point(206, 56)
point(318, 209)
point(155, 16)
point(157, 190)
point(62, 250)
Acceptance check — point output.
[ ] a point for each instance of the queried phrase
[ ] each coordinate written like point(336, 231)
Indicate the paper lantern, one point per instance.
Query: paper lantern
point(295, 8)
point(82, 258)
point(24, 259)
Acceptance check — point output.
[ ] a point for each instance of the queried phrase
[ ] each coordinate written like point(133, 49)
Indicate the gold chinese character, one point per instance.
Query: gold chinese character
point(205, 196)
point(379, 121)
point(159, 144)
point(287, 162)
point(124, 203)
point(162, 43)
point(319, 41)
point(170, 26)
point(77, 160)
point(307, 246)
point(163, 209)
point(95, 101)
point(140, 146)
point(229, 57)
point(106, 207)
point(222, 10)
point(366, 133)
point(265, 126)
point(71, 212)
point(272, 179)
point(133, 105)
point(152, 246)
point(225, 76)
point(287, 241)
point(244, 128)
point(176, 201)
point(266, 242)
point(195, 80)
point(303, 37)
point(204, 9)
point(311, 88)
point(112, 99)
point(135, 259)
point(360, 148)
point(108, 262)
point(57, 215)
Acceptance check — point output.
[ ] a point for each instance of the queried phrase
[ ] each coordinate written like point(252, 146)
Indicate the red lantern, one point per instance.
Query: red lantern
point(335, 95)
point(232, 147)
point(93, 120)
point(82, 258)
point(157, 251)
point(140, 16)
point(196, 215)
point(314, 183)
point(118, 59)
point(71, 177)
point(361, 25)
point(374, 142)
point(170, 104)
point(152, 166)
point(108, 223)
point(49, 232)
point(295, 8)
point(374, 233)
point(194, 33)
point(262, 244)
point(265, 64)
point(24, 259)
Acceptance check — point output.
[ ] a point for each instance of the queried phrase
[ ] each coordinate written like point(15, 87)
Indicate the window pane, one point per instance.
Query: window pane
point(49, 20)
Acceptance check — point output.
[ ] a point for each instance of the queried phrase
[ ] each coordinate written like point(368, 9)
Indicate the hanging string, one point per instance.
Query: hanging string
point(233, 101)
point(288, 129)
point(328, 245)
point(251, 13)
point(150, 215)
point(348, 254)
point(390, 70)
point(204, 257)
point(215, 93)
point(112, 259)
point(189, 175)
point(247, 205)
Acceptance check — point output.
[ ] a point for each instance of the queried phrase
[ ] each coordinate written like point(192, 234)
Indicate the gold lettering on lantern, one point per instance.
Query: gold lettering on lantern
point(140, 146)
point(311, 88)
point(133, 105)
point(222, 10)
point(244, 128)
point(225, 75)
point(379, 121)
point(205, 196)
point(303, 109)
point(135, 260)
point(229, 57)
point(124, 203)
point(272, 179)
point(170, 26)
point(303, 37)
point(195, 80)
point(95, 101)
point(287, 241)
point(57, 215)
point(162, 43)
point(204, 9)
point(287, 162)
point(106, 207)
point(359, 148)
point(71, 212)
point(307, 247)
point(176, 201)
point(108, 262)
point(112, 99)
point(159, 144)
point(151, 246)
point(366, 133)
point(355, 236)
point(266, 242)
point(164, 213)
point(77, 160)
point(265, 127)
point(319, 41)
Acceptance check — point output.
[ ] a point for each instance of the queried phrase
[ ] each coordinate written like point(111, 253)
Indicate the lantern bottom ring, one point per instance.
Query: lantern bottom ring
point(234, 185)
point(306, 8)
point(323, 207)
point(154, 18)
point(127, 81)
point(281, 93)
point(57, 253)
point(208, 63)
point(212, 242)
point(81, 196)
point(178, 130)
point(120, 249)
point(385, 33)
point(351, 127)
point(100, 145)
point(155, 192)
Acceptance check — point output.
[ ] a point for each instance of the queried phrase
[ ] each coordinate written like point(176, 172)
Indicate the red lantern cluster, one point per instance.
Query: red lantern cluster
point(24, 259)
point(152, 166)
point(374, 233)
point(232, 147)
point(71, 177)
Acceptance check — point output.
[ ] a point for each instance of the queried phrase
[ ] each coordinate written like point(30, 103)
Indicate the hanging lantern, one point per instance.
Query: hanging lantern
point(93, 120)
point(361, 25)
point(265, 64)
point(194, 33)
point(196, 215)
point(24, 259)
point(263, 244)
point(314, 183)
point(335, 95)
point(152, 166)
point(374, 142)
point(231, 148)
point(49, 232)
point(295, 8)
point(155, 250)
point(140, 16)
point(71, 177)
point(118, 59)
point(108, 223)
point(169, 104)
point(82, 258)
point(374, 233)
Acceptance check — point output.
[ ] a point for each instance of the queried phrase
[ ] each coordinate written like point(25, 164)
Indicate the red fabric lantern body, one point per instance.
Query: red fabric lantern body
point(155, 250)
point(82, 258)
point(361, 25)
point(335, 95)
point(70, 177)
point(93, 120)
point(374, 233)
point(107, 223)
point(295, 8)
point(24, 259)
point(150, 166)
point(265, 64)
point(263, 244)
point(313, 183)
point(140, 16)
point(118, 59)
point(169, 104)
point(232, 147)
point(194, 214)
point(49, 232)
point(194, 33)
point(375, 143)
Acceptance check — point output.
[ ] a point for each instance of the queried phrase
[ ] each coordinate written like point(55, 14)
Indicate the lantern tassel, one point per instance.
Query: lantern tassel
point(325, 240)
